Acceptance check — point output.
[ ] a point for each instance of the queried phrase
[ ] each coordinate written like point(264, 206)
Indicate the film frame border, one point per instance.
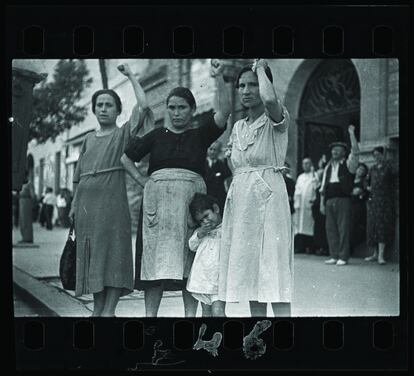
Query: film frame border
point(308, 344)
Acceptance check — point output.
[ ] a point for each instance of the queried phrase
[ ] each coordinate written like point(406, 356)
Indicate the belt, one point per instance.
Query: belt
point(95, 172)
point(167, 174)
point(244, 170)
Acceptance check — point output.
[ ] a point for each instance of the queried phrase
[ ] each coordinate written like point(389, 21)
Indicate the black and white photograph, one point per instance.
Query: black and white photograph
point(205, 187)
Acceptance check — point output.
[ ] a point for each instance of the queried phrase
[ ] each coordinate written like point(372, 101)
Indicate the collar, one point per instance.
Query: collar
point(334, 163)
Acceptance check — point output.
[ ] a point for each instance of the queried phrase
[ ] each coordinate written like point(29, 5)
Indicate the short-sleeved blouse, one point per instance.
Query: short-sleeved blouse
point(167, 149)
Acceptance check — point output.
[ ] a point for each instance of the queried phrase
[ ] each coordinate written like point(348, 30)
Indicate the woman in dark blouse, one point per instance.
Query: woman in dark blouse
point(176, 165)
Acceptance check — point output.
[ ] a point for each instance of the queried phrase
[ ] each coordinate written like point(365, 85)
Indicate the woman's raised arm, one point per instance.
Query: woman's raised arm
point(141, 107)
point(222, 95)
point(267, 92)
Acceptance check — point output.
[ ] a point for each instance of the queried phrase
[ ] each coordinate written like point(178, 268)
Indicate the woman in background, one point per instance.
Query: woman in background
point(381, 212)
point(359, 207)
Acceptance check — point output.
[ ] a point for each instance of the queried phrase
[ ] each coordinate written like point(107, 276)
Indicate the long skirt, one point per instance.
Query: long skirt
point(162, 253)
point(256, 254)
point(103, 235)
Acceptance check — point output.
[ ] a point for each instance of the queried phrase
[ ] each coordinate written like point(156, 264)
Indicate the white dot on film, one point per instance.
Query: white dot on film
point(11, 119)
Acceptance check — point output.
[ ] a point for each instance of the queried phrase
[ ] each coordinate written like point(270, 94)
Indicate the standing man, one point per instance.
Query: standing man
point(49, 202)
point(61, 205)
point(336, 190)
point(305, 194)
point(216, 172)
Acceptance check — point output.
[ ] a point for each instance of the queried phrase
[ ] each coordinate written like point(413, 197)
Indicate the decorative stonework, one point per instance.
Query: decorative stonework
point(333, 87)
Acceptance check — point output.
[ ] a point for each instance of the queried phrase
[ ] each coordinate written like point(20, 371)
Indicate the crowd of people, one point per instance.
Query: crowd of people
point(334, 217)
point(219, 225)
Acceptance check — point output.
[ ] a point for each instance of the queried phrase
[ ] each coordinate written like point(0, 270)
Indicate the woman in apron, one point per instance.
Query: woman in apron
point(177, 155)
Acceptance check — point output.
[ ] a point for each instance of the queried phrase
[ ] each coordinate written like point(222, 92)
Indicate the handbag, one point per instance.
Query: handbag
point(67, 266)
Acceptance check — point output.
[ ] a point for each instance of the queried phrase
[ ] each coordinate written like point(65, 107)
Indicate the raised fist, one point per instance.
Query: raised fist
point(125, 70)
point(216, 68)
point(259, 63)
point(351, 129)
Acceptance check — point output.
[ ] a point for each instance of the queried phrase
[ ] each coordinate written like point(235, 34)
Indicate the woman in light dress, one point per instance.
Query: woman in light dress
point(256, 255)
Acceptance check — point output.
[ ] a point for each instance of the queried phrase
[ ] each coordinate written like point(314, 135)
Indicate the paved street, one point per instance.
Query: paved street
point(358, 289)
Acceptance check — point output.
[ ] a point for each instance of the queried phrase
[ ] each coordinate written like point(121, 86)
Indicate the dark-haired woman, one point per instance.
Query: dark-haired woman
point(104, 264)
point(359, 207)
point(256, 253)
point(381, 211)
point(176, 165)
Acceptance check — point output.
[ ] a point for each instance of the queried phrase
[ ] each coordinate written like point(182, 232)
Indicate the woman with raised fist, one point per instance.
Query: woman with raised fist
point(100, 208)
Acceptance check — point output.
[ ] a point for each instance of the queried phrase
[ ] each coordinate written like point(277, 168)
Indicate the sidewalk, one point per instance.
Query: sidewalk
point(360, 288)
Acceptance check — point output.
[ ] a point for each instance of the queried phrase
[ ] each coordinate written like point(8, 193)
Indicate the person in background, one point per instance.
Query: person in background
point(336, 189)
point(49, 201)
point(359, 207)
point(61, 205)
point(26, 201)
point(216, 172)
point(290, 186)
point(305, 195)
point(42, 210)
point(381, 211)
point(320, 243)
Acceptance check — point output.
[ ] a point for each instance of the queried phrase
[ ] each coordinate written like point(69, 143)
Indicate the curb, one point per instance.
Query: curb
point(53, 299)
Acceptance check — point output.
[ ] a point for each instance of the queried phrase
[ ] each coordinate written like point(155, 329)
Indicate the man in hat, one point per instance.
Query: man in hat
point(336, 188)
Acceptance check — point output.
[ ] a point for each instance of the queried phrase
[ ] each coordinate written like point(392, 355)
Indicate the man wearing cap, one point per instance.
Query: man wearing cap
point(336, 188)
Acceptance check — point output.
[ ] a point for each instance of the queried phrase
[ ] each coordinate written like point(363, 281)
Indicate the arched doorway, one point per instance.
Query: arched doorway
point(329, 104)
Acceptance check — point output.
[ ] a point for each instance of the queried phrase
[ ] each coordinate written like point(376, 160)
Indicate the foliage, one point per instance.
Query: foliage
point(56, 103)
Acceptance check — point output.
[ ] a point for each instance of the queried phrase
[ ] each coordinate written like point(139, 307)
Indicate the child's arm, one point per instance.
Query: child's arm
point(194, 242)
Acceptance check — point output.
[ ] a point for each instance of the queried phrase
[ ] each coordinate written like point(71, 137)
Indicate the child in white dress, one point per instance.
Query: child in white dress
point(205, 241)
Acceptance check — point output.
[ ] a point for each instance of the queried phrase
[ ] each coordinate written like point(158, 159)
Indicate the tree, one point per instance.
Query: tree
point(56, 103)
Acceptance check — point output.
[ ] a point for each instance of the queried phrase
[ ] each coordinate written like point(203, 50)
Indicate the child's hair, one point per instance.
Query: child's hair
point(200, 203)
